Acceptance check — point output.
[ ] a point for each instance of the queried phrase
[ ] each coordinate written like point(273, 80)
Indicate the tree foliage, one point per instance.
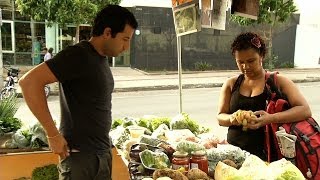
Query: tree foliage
point(62, 11)
point(270, 12)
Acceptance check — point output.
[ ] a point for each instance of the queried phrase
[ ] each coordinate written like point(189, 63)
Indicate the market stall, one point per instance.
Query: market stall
point(179, 148)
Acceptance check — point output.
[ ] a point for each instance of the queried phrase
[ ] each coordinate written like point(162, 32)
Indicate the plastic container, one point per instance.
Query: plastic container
point(136, 132)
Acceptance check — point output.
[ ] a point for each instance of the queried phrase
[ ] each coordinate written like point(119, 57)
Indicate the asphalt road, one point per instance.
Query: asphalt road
point(200, 104)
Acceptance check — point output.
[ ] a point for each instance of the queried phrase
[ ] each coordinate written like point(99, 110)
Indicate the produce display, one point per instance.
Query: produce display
point(254, 168)
point(181, 149)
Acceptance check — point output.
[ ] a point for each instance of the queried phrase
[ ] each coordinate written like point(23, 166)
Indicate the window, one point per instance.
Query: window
point(6, 14)
point(67, 37)
point(7, 37)
point(23, 37)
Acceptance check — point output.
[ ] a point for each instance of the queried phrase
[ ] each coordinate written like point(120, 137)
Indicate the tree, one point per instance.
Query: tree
point(62, 12)
point(271, 12)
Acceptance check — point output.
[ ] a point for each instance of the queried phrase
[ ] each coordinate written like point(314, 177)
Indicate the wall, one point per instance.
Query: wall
point(283, 46)
point(155, 47)
point(307, 50)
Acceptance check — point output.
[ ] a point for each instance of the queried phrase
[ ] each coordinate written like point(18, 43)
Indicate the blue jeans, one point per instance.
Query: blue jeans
point(86, 166)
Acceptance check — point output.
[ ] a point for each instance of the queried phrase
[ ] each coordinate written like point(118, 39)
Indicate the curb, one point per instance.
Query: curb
point(183, 72)
point(185, 86)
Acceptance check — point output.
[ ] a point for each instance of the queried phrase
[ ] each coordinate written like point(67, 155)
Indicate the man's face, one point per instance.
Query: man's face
point(120, 43)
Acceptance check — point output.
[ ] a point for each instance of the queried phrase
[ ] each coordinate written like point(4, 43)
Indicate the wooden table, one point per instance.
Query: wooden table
point(119, 168)
point(17, 165)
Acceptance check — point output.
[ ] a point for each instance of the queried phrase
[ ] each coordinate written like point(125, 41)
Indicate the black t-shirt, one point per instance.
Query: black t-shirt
point(250, 140)
point(85, 84)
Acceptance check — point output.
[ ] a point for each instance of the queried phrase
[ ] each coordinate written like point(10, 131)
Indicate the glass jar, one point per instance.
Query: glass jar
point(199, 160)
point(180, 160)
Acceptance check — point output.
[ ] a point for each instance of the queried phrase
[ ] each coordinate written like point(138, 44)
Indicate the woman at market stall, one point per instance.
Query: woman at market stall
point(248, 92)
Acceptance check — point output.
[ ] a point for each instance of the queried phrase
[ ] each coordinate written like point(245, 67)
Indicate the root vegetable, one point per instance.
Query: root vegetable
point(195, 174)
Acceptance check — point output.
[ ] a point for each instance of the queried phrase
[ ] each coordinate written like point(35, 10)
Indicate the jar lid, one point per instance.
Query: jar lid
point(198, 153)
point(180, 154)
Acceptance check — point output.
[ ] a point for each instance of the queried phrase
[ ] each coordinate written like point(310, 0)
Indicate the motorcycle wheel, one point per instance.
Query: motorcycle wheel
point(6, 93)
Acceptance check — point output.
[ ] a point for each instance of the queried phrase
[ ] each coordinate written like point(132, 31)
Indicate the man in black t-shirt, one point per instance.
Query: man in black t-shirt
point(85, 84)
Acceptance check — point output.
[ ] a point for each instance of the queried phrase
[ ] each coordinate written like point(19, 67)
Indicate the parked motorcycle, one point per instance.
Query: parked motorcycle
point(9, 87)
point(12, 78)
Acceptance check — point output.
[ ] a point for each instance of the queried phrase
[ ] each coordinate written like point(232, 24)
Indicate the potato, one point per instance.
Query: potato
point(173, 174)
point(195, 174)
point(164, 178)
point(230, 163)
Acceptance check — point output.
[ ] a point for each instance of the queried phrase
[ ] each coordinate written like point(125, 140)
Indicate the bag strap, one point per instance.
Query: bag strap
point(272, 86)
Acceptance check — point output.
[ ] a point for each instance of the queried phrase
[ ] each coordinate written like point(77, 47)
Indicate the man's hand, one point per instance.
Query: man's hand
point(59, 145)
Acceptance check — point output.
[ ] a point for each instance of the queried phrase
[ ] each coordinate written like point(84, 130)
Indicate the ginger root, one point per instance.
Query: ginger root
point(244, 118)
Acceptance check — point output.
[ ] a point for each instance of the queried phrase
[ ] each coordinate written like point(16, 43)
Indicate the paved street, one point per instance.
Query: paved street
point(200, 104)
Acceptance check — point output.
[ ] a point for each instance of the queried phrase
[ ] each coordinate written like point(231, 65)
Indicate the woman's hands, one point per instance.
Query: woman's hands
point(243, 118)
point(250, 120)
point(233, 120)
point(263, 118)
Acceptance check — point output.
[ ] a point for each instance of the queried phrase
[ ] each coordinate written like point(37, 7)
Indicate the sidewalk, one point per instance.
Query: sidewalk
point(127, 79)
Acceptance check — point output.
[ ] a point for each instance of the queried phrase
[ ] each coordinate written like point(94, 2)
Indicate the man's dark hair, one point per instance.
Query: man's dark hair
point(50, 50)
point(115, 17)
point(249, 40)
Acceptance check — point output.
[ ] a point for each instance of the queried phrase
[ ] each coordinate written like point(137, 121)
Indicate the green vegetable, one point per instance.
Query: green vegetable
point(155, 160)
point(124, 136)
point(127, 121)
point(188, 146)
point(116, 123)
point(149, 140)
point(19, 140)
point(143, 122)
point(289, 175)
point(27, 134)
point(38, 138)
point(203, 130)
point(156, 122)
point(147, 158)
point(49, 172)
point(182, 121)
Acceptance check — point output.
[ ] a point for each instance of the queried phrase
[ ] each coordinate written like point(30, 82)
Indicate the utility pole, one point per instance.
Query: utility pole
point(1, 56)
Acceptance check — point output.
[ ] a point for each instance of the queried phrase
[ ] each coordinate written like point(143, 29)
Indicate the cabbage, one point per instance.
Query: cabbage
point(285, 170)
point(157, 160)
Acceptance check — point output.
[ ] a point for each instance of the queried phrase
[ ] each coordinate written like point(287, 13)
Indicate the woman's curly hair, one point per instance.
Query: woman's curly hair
point(249, 40)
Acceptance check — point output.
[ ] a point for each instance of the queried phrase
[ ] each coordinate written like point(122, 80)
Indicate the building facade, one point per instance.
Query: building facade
point(154, 45)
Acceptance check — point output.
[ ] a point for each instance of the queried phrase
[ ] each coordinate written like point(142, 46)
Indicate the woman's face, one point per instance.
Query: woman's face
point(249, 62)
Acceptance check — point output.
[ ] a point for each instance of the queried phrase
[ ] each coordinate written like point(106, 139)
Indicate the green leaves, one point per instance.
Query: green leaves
point(270, 11)
point(62, 11)
point(8, 107)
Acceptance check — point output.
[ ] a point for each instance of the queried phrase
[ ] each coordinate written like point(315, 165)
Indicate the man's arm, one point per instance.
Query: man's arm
point(32, 85)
